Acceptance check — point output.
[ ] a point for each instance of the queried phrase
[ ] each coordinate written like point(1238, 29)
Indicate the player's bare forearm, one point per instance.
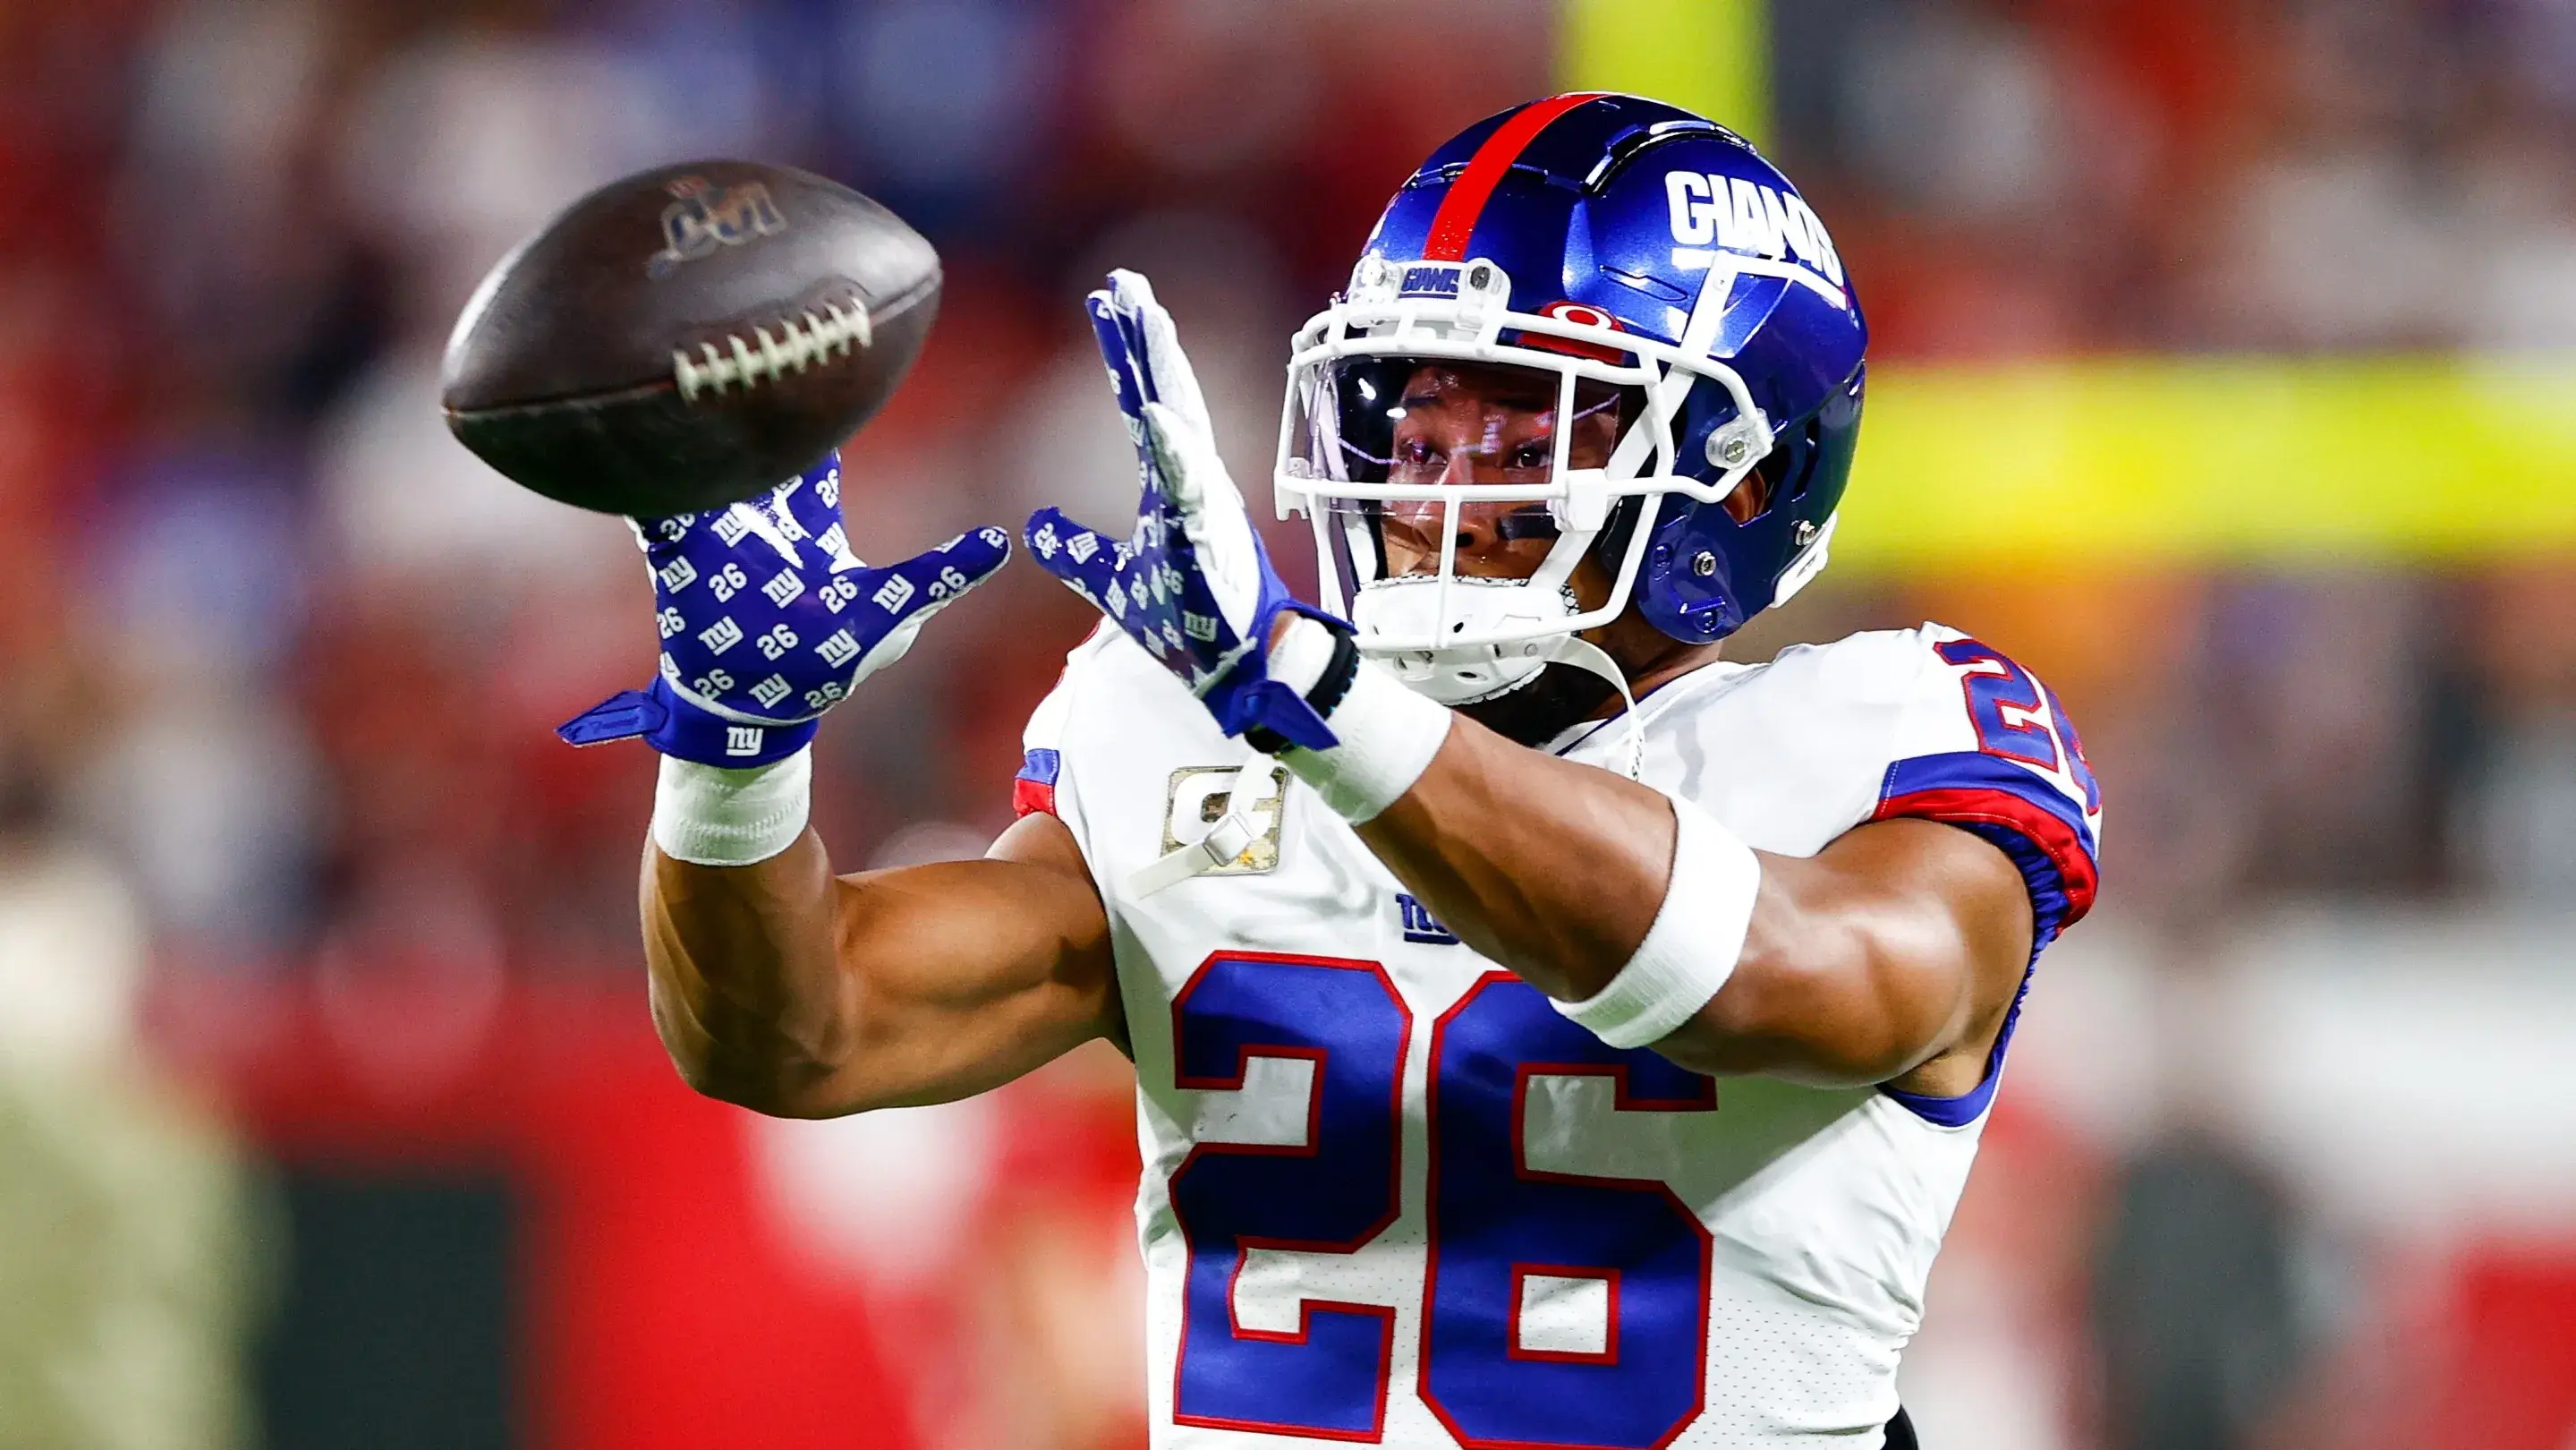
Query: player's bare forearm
point(746, 991)
point(1899, 941)
point(786, 989)
point(1551, 868)
point(1896, 950)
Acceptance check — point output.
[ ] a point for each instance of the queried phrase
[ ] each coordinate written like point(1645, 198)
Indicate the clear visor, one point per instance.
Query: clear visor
point(1446, 465)
point(1459, 460)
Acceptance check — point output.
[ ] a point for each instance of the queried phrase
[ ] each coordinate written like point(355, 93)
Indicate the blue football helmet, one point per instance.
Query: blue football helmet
point(1646, 276)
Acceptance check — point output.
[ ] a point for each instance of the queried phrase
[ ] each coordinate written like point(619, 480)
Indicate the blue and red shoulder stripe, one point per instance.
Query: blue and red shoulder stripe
point(2027, 818)
point(1033, 789)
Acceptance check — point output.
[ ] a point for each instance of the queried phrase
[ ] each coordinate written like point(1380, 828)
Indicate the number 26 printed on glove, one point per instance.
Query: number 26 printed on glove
point(766, 620)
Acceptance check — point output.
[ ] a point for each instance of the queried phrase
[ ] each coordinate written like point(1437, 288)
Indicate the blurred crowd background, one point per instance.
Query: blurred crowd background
point(329, 1112)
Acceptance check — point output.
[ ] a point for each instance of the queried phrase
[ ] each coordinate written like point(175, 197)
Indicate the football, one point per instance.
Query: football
point(688, 336)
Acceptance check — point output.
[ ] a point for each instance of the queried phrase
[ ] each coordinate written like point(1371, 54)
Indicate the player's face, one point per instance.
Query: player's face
point(1459, 423)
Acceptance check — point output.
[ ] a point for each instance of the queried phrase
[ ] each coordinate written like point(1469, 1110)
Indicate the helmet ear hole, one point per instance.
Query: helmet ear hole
point(1753, 495)
point(1781, 476)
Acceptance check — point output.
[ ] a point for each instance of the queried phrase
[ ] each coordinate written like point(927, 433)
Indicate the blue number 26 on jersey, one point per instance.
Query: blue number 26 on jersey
point(1503, 1235)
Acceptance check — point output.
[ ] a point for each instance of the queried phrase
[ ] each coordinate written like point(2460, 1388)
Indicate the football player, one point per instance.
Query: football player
point(1546, 1032)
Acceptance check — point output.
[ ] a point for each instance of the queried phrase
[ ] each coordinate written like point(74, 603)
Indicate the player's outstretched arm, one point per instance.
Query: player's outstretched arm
point(1898, 947)
point(1901, 944)
point(795, 992)
point(775, 984)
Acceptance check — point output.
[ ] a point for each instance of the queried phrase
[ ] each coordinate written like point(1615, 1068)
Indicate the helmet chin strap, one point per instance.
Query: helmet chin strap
point(1583, 654)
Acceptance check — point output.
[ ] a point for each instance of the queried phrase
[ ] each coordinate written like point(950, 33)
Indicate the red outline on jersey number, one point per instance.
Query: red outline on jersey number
point(1621, 1100)
point(1306, 1308)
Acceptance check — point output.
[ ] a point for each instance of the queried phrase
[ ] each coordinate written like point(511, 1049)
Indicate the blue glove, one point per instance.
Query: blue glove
point(1192, 584)
point(768, 620)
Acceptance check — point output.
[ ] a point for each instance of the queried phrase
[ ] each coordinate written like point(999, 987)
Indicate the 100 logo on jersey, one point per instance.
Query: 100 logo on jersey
point(1502, 1237)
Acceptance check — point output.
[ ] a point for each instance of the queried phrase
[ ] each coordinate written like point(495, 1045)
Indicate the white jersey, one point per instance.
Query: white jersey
point(1390, 1195)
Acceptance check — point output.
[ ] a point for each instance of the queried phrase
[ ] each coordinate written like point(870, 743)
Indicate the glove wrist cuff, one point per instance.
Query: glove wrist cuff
point(1316, 661)
point(709, 815)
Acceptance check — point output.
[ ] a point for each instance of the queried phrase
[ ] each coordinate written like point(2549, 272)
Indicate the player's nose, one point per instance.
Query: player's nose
point(1478, 529)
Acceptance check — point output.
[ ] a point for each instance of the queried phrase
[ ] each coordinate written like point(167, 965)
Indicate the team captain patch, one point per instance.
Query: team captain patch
point(1202, 794)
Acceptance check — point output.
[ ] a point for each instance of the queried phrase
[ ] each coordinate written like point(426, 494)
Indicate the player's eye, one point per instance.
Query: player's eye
point(1536, 453)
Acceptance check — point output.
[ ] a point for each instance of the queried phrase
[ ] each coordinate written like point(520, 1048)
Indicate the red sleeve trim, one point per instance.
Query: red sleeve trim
point(2034, 824)
point(1033, 789)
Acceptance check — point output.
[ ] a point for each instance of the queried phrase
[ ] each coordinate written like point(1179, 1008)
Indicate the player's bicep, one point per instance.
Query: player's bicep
point(1950, 961)
point(1899, 942)
point(967, 974)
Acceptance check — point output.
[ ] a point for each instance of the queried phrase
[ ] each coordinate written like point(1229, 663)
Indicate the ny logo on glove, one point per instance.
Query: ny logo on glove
point(767, 620)
point(1192, 584)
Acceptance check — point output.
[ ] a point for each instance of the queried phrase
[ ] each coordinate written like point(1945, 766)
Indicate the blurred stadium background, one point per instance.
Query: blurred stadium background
point(2226, 373)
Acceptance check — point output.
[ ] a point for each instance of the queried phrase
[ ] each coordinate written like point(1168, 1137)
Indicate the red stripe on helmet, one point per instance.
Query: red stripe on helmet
point(1456, 219)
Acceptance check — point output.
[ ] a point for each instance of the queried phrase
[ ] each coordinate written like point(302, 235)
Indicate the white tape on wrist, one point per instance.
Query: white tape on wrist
point(1303, 653)
point(1691, 949)
point(710, 816)
point(1388, 735)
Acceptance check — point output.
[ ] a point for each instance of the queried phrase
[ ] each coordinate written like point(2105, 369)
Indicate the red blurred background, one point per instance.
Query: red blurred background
point(332, 1112)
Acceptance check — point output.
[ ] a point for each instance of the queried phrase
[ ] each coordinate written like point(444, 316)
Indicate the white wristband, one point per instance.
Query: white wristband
point(1692, 948)
point(1388, 735)
point(710, 816)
